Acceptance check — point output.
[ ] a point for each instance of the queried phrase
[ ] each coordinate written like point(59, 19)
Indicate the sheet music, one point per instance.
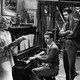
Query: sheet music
point(31, 39)
point(24, 44)
point(16, 49)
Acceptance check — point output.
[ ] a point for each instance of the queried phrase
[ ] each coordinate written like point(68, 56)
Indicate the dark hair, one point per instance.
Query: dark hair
point(49, 33)
point(67, 10)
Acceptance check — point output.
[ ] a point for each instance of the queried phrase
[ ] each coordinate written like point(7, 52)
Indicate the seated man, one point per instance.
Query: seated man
point(49, 59)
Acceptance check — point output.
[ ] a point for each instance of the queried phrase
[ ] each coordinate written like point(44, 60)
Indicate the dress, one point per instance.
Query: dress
point(6, 61)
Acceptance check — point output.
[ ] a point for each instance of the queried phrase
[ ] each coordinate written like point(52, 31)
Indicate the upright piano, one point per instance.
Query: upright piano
point(21, 70)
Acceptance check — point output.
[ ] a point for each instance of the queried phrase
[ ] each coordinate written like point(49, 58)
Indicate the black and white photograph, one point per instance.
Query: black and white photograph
point(8, 7)
point(39, 39)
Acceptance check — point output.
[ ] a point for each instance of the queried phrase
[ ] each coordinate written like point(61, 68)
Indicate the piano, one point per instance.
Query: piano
point(21, 70)
point(19, 31)
point(23, 56)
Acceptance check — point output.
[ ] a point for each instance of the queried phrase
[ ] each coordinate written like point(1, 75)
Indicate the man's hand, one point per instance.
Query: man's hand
point(68, 31)
point(38, 56)
point(28, 61)
point(70, 35)
point(71, 32)
point(32, 58)
point(41, 53)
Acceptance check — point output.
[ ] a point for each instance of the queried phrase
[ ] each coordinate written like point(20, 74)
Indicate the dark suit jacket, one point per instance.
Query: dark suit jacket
point(50, 62)
point(75, 27)
point(51, 56)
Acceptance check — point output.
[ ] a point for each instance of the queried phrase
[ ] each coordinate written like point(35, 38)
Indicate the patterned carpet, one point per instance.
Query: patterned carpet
point(61, 75)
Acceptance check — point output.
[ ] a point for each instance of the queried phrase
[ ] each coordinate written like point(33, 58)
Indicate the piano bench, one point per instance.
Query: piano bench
point(47, 78)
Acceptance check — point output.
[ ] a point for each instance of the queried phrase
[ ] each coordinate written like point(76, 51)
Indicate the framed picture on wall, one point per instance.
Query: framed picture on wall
point(31, 18)
point(8, 7)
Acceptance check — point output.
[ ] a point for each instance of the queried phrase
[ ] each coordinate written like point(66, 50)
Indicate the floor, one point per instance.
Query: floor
point(61, 75)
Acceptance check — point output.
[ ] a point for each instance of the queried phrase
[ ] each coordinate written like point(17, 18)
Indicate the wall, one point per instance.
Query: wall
point(31, 6)
point(28, 5)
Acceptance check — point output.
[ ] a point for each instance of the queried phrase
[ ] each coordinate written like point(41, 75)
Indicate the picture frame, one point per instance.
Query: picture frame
point(8, 7)
point(32, 17)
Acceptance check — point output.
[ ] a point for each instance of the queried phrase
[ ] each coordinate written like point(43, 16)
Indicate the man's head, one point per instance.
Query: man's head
point(48, 36)
point(67, 12)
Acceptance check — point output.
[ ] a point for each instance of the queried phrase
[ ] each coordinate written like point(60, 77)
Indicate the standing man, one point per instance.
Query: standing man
point(49, 59)
point(70, 48)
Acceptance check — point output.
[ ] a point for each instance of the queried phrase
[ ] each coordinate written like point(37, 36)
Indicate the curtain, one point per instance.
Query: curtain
point(46, 20)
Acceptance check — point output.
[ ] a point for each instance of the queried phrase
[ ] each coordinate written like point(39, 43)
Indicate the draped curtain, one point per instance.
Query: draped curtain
point(46, 20)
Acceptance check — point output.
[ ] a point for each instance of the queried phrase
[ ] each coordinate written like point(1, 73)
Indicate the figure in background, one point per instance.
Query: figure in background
point(27, 18)
point(70, 47)
point(18, 20)
point(6, 50)
point(48, 58)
